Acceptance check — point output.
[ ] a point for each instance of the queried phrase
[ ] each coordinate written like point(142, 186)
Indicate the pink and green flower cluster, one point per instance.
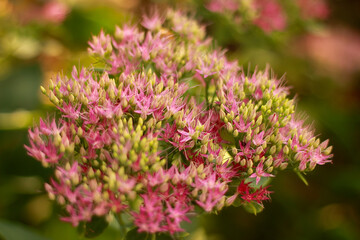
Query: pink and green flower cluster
point(168, 127)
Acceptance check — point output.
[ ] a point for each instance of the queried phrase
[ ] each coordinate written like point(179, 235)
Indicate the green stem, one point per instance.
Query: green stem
point(213, 98)
point(301, 177)
point(207, 94)
point(122, 225)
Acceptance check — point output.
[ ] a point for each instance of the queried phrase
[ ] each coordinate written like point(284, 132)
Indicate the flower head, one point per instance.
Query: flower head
point(169, 124)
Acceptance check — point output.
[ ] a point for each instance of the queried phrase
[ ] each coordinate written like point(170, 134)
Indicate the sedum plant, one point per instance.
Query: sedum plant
point(166, 129)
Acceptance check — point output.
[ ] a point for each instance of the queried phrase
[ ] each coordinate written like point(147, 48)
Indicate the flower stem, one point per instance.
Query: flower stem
point(122, 225)
point(207, 93)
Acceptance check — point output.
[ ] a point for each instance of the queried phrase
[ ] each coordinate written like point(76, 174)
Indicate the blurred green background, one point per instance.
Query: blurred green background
point(321, 62)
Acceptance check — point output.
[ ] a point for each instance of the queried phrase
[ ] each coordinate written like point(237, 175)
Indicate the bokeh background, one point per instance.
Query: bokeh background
point(319, 59)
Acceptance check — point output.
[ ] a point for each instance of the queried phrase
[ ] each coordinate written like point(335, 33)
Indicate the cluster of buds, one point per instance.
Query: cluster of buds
point(167, 127)
point(269, 15)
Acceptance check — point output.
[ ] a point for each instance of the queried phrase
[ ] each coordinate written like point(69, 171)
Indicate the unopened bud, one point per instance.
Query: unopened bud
point(312, 166)
point(286, 149)
point(328, 150)
point(236, 133)
point(243, 162)
point(259, 150)
point(268, 162)
point(283, 165)
point(222, 114)
point(229, 127)
point(272, 150)
point(316, 143)
point(43, 90)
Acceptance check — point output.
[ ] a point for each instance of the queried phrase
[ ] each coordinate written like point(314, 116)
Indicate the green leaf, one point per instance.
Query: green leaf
point(16, 231)
point(237, 203)
point(93, 228)
point(227, 136)
point(133, 234)
point(253, 207)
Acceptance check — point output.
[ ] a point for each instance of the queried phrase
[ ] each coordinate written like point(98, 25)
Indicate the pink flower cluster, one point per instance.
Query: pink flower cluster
point(168, 125)
point(269, 15)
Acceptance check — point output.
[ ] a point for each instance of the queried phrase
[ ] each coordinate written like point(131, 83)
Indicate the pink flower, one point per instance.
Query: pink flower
point(260, 173)
point(175, 215)
point(258, 139)
point(222, 5)
point(54, 11)
point(70, 111)
point(101, 44)
point(150, 217)
point(212, 191)
point(153, 22)
point(242, 126)
point(270, 15)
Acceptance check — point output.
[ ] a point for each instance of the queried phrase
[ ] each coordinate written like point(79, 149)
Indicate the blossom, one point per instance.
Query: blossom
point(260, 173)
point(153, 22)
point(150, 215)
point(222, 5)
point(144, 138)
point(270, 15)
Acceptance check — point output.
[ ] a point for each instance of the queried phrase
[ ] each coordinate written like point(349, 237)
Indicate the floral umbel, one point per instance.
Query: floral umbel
point(166, 129)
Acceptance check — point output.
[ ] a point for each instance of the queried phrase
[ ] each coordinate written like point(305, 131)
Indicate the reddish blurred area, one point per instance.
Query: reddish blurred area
point(335, 49)
point(52, 11)
point(314, 8)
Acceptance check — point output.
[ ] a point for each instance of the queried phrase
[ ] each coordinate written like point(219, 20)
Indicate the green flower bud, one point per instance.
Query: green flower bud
point(236, 133)
point(43, 90)
point(328, 150)
point(286, 149)
point(259, 120)
point(272, 150)
point(283, 165)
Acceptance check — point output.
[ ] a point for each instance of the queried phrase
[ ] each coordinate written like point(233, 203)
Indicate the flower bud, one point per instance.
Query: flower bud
point(283, 165)
point(286, 150)
point(259, 120)
point(328, 150)
point(268, 162)
point(243, 162)
point(272, 150)
point(43, 90)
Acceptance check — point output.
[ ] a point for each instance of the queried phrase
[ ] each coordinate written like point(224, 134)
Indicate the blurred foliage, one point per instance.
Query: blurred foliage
point(33, 49)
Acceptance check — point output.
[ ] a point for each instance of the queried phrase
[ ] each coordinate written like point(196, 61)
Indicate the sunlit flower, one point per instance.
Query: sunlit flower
point(168, 125)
